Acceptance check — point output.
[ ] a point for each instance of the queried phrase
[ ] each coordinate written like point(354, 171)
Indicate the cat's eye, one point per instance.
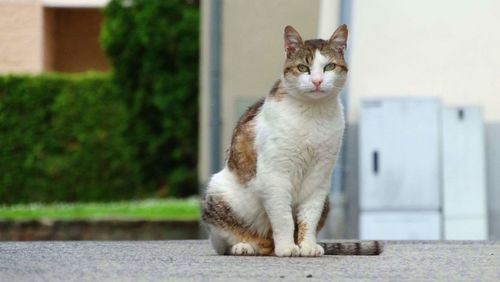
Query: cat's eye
point(330, 67)
point(303, 68)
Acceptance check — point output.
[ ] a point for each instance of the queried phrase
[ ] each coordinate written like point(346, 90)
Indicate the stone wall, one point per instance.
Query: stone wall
point(34, 230)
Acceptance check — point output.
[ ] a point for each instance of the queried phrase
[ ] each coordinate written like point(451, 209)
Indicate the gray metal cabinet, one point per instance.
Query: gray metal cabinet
point(399, 154)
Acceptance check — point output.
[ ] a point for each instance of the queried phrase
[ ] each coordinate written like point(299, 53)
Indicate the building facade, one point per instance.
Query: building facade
point(50, 35)
point(444, 50)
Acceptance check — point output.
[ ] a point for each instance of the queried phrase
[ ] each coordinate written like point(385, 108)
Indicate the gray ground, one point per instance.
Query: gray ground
point(195, 261)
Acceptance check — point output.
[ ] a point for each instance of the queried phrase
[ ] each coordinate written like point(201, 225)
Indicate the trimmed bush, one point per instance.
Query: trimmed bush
point(99, 137)
point(153, 47)
point(62, 139)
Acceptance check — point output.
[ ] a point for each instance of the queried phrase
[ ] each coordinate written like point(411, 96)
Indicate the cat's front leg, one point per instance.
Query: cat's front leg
point(277, 201)
point(312, 211)
point(308, 216)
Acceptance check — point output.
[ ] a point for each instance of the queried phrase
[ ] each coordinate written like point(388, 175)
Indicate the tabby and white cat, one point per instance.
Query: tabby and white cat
point(272, 195)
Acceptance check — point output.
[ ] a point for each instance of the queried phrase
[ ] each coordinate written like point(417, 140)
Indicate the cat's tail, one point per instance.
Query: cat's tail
point(362, 248)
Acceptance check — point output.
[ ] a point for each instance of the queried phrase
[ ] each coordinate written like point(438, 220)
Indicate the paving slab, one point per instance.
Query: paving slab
point(194, 260)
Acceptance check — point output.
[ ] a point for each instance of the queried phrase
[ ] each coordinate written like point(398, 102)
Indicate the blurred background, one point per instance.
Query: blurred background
point(114, 113)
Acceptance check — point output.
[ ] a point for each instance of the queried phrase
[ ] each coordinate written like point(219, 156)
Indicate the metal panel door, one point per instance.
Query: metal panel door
point(464, 177)
point(399, 154)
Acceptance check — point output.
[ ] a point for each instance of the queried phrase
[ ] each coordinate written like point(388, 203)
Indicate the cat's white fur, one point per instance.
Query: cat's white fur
point(297, 141)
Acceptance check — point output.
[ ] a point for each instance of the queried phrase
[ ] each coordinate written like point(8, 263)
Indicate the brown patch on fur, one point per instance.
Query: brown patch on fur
point(324, 214)
point(217, 212)
point(315, 44)
point(277, 92)
point(301, 227)
point(299, 57)
point(242, 158)
point(265, 245)
point(300, 232)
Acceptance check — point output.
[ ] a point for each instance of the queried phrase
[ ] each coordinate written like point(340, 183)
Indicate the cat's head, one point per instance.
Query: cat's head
point(315, 68)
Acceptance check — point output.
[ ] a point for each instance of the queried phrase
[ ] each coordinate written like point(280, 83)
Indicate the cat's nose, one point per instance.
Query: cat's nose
point(317, 82)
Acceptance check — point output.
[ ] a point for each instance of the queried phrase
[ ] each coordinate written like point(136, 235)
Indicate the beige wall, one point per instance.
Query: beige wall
point(21, 38)
point(35, 39)
point(447, 48)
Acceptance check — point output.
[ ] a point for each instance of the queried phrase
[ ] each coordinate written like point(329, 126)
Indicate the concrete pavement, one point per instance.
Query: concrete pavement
point(195, 261)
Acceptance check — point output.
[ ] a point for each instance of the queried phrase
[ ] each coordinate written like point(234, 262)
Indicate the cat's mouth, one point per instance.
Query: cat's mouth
point(317, 94)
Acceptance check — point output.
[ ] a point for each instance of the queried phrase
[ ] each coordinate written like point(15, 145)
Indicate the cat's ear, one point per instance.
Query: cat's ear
point(292, 40)
point(339, 38)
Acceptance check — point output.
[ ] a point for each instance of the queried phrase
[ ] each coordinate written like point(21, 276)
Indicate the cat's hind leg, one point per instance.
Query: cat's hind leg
point(225, 243)
point(228, 235)
point(243, 249)
point(219, 243)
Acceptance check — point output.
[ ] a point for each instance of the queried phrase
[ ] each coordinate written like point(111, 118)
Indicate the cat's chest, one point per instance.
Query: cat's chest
point(304, 135)
point(310, 143)
point(308, 131)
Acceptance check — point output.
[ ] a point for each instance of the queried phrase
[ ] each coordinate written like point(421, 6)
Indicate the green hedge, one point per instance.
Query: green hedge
point(97, 137)
point(62, 139)
point(153, 47)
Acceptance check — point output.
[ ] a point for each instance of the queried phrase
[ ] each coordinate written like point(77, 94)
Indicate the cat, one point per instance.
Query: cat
point(271, 198)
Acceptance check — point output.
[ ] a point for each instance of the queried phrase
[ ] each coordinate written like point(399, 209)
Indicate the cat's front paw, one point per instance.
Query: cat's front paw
point(311, 249)
point(287, 250)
